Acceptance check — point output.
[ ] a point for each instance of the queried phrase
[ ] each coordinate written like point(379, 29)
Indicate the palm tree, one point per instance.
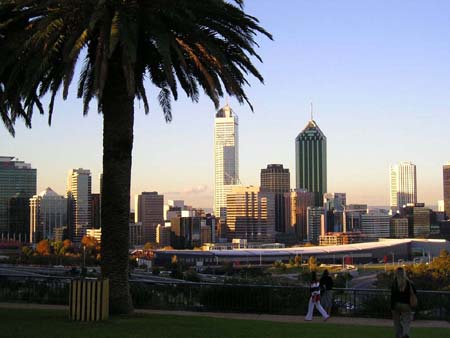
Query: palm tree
point(192, 44)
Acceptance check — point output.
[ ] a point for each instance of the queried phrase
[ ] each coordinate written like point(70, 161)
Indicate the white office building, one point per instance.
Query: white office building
point(376, 224)
point(403, 184)
point(79, 202)
point(48, 212)
point(226, 157)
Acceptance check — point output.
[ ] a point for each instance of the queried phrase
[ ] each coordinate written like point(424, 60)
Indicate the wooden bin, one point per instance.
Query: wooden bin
point(89, 299)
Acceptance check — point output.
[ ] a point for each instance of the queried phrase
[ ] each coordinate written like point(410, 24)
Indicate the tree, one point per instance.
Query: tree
point(27, 251)
point(43, 248)
point(312, 262)
point(195, 45)
point(149, 246)
point(58, 247)
point(89, 242)
point(297, 261)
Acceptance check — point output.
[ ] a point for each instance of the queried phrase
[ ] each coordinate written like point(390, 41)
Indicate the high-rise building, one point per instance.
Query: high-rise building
point(79, 203)
point(149, 210)
point(446, 177)
point(48, 212)
point(19, 217)
point(311, 160)
point(399, 227)
point(95, 211)
point(250, 215)
point(376, 224)
point(352, 217)
point(403, 184)
point(226, 157)
point(334, 207)
point(276, 179)
point(314, 219)
point(422, 221)
point(296, 206)
point(17, 180)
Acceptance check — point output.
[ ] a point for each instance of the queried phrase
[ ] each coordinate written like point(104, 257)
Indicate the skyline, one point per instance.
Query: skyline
point(380, 94)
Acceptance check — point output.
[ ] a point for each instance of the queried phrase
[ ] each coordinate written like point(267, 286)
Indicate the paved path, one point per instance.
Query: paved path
point(247, 316)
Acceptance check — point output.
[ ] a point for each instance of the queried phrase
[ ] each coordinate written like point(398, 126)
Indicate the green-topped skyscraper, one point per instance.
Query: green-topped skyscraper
point(311, 160)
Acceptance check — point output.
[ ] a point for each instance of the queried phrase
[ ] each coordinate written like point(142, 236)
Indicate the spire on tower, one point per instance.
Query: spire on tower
point(312, 119)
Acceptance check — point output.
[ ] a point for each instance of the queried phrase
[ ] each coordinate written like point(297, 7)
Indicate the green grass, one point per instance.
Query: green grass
point(54, 324)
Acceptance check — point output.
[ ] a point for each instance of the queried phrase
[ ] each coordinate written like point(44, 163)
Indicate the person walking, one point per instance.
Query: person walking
point(326, 291)
point(403, 298)
point(314, 299)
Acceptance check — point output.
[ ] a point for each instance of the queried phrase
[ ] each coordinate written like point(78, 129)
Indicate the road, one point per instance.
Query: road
point(365, 281)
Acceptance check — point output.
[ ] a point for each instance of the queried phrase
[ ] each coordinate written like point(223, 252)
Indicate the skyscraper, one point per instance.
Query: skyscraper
point(296, 205)
point(403, 184)
point(276, 179)
point(334, 206)
point(314, 217)
point(48, 212)
point(226, 157)
point(311, 160)
point(446, 176)
point(250, 214)
point(149, 210)
point(17, 180)
point(79, 203)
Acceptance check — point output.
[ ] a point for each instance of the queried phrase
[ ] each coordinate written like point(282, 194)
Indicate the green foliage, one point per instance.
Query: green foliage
point(434, 276)
point(194, 44)
point(27, 251)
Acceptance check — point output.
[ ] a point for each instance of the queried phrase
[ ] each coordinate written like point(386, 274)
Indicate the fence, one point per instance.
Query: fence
point(231, 298)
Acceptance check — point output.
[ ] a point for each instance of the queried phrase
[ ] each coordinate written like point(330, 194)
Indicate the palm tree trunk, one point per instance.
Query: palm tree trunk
point(118, 118)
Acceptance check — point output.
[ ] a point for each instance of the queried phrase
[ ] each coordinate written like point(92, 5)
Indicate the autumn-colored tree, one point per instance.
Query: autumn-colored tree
point(312, 263)
point(297, 261)
point(149, 246)
point(43, 248)
point(89, 242)
point(167, 248)
point(174, 259)
point(67, 244)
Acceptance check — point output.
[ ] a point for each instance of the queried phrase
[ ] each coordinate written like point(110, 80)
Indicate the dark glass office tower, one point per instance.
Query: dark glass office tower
point(276, 179)
point(17, 185)
point(311, 161)
point(446, 183)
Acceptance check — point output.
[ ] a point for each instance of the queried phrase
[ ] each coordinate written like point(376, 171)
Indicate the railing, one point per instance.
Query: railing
point(42, 290)
point(231, 298)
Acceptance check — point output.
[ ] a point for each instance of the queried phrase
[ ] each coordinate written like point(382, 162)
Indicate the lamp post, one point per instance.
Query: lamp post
point(84, 257)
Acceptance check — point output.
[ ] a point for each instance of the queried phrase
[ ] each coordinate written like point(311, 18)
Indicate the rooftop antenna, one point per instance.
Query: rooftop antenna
point(312, 119)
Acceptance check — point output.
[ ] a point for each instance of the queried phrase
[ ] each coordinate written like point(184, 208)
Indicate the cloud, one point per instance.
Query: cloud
point(199, 189)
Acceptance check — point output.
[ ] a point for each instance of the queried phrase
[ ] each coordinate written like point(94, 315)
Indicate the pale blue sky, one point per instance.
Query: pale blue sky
point(377, 71)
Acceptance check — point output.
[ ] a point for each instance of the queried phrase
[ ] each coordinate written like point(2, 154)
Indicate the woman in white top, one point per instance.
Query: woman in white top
point(314, 300)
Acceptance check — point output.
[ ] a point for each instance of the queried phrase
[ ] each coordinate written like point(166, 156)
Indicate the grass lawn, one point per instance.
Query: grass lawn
point(19, 323)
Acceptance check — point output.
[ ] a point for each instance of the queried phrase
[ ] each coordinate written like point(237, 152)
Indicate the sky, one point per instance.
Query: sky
point(377, 72)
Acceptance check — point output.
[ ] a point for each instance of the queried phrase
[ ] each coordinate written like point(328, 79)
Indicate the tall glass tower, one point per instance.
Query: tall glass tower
point(79, 202)
point(226, 157)
point(403, 184)
point(17, 181)
point(311, 161)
